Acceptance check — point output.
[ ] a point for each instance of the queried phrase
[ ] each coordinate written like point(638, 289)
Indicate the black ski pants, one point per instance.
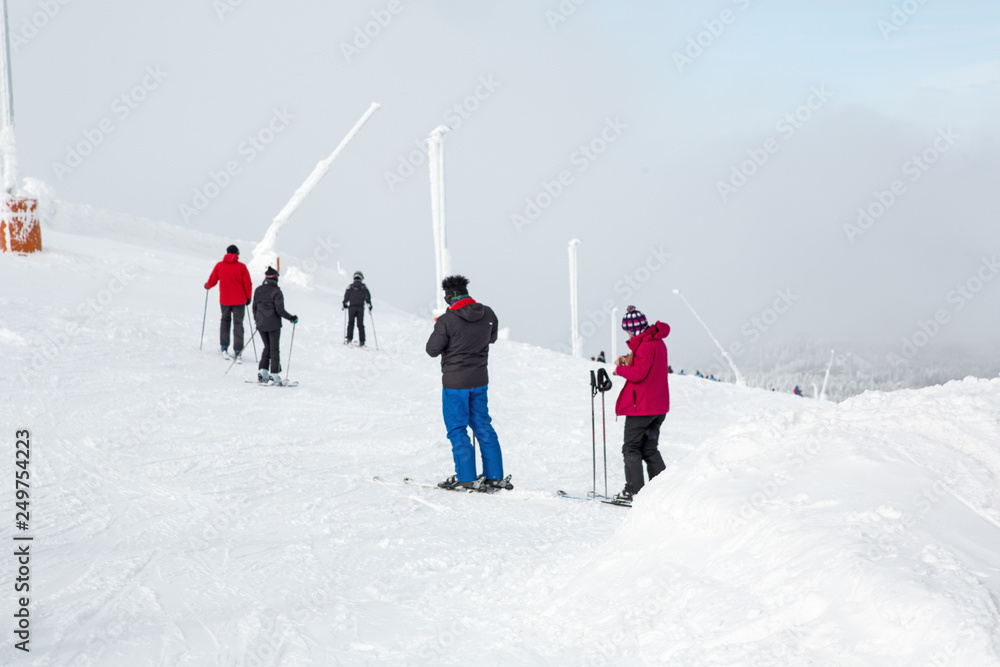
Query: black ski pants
point(232, 315)
point(270, 354)
point(356, 313)
point(642, 437)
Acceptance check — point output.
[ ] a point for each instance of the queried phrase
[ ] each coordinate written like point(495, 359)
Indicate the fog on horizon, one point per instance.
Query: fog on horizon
point(822, 169)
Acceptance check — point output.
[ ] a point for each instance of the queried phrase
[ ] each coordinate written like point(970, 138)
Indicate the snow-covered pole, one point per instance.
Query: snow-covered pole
point(8, 145)
point(822, 392)
point(614, 333)
point(442, 260)
point(739, 378)
point(574, 301)
point(266, 248)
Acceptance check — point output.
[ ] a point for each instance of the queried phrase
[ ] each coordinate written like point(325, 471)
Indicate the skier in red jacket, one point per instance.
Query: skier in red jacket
point(644, 400)
point(235, 294)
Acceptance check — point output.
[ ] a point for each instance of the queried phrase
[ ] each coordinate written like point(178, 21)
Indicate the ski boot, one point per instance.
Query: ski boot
point(452, 484)
point(496, 484)
point(263, 376)
point(225, 353)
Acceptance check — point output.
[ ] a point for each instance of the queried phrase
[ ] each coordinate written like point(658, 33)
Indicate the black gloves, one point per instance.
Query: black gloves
point(248, 301)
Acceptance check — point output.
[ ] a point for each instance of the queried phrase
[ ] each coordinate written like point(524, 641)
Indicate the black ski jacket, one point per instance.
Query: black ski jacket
point(357, 295)
point(462, 336)
point(269, 306)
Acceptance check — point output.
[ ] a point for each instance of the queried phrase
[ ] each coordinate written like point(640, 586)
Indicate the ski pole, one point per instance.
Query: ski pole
point(374, 333)
point(604, 436)
point(593, 428)
point(290, 343)
point(204, 316)
point(345, 326)
point(252, 334)
point(235, 359)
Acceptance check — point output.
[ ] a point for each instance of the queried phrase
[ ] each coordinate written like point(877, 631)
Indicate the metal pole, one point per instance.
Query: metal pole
point(374, 333)
point(290, 343)
point(442, 262)
point(7, 108)
point(252, 334)
point(604, 436)
point(201, 344)
point(574, 301)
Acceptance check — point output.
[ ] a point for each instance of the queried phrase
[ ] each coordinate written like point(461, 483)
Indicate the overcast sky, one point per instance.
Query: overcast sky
point(722, 148)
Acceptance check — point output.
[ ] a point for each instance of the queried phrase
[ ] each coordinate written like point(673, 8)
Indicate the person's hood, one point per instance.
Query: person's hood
point(231, 258)
point(468, 309)
point(657, 331)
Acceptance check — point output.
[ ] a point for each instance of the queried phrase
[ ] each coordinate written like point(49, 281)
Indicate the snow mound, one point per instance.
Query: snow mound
point(866, 534)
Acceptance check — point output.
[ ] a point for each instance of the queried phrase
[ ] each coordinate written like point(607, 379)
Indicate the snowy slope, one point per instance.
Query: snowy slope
point(184, 517)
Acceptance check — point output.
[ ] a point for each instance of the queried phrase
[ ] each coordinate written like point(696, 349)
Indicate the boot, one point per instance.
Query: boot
point(263, 376)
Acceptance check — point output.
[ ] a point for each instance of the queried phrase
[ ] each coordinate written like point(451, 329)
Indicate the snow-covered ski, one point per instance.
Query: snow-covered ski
point(607, 501)
point(294, 383)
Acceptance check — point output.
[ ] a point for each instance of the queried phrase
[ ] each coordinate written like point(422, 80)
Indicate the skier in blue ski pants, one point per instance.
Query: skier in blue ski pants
point(462, 337)
point(464, 408)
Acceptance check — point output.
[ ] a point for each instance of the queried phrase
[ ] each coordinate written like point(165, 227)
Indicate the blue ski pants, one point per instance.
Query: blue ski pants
point(464, 408)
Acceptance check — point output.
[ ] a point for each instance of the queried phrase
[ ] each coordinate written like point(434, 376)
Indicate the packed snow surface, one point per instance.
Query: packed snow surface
point(182, 516)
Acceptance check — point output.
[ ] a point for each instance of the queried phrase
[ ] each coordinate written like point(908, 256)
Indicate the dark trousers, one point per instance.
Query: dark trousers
point(642, 437)
point(356, 313)
point(270, 354)
point(234, 315)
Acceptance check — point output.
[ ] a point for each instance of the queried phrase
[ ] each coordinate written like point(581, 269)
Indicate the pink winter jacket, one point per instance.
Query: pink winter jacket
point(645, 391)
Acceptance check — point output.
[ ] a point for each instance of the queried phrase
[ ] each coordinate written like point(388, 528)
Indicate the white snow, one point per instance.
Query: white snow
point(183, 517)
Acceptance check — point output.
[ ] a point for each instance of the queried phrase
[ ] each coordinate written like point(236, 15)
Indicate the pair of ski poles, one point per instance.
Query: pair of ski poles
point(599, 384)
point(204, 316)
point(371, 317)
point(253, 342)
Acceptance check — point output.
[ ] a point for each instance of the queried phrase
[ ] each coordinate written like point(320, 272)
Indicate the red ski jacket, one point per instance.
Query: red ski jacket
point(645, 391)
point(235, 288)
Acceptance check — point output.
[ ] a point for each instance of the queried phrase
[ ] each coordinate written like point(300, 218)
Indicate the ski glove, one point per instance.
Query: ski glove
point(295, 319)
point(248, 301)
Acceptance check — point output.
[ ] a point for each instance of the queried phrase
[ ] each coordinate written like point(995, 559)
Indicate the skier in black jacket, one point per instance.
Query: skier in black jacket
point(462, 337)
point(268, 309)
point(355, 298)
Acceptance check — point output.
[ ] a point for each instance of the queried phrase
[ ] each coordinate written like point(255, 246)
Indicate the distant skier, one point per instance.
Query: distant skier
point(355, 298)
point(600, 358)
point(797, 391)
point(462, 337)
point(268, 309)
point(644, 400)
point(235, 291)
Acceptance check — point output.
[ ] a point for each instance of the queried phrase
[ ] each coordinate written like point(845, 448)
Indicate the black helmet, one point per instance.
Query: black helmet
point(358, 275)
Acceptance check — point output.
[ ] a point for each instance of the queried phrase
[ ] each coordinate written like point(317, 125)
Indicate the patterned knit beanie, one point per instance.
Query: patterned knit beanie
point(271, 273)
point(634, 321)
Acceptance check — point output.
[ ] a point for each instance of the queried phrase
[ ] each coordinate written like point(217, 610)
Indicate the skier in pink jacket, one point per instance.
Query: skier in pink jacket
point(644, 400)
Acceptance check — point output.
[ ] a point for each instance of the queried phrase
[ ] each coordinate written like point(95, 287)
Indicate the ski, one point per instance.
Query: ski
point(271, 384)
point(504, 485)
point(607, 501)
